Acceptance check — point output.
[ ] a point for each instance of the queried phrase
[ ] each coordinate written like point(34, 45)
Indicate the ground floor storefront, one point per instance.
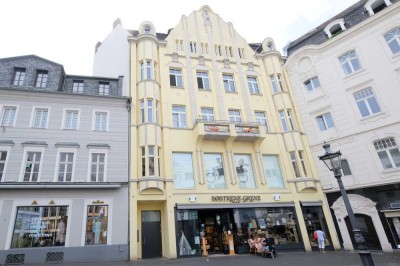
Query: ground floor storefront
point(167, 228)
point(64, 225)
point(377, 211)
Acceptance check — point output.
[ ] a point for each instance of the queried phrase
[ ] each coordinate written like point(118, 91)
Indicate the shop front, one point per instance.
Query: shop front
point(215, 222)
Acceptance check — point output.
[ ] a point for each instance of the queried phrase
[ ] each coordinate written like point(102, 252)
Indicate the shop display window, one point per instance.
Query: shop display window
point(244, 171)
point(277, 223)
point(40, 226)
point(214, 170)
point(183, 170)
point(315, 220)
point(188, 233)
point(97, 225)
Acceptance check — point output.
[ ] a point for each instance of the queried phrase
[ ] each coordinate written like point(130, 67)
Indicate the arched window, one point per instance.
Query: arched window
point(374, 6)
point(388, 152)
point(335, 27)
point(147, 29)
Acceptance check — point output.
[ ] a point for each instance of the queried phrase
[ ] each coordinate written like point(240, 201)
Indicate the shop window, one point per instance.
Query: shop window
point(40, 226)
point(273, 171)
point(183, 170)
point(244, 171)
point(214, 170)
point(314, 219)
point(96, 225)
point(188, 240)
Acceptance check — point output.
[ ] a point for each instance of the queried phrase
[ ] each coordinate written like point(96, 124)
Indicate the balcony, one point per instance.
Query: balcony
point(221, 130)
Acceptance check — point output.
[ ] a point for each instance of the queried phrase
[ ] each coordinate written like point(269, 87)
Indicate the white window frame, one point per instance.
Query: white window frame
point(395, 38)
point(142, 113)
point(79, 91)
point(91, 152)
point(177, 73)
point(370, 3)
point(274, 84)
point(8, 150)
point(302, 162)
point(104, 88)
point(150, 110)
point(3, 108)
point(229, 81)
point(366, 102)
point(295, 164)
point(207, 116)
point(346, 60)
point(63, 124)
point(235, 115)
point(203, 75)
point(388, 142)
point(323, 119)
point(65, 150)
point(262, 119)
point(21, 76)
point(287, 121)
point(182, 123)
point(22, 170)
point(313, 85)
point(94, 120)
point(280, 82)
point(253, 85)
point(42, 77)
point(33, 114)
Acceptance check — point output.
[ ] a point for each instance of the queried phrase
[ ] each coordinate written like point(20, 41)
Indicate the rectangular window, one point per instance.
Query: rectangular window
point(143, 155)
point(104, 88)
point(244, 171)
point(40, 118)
point(295, 164)
point(77, 86)
point(32, 166)
point(229, 83)
point(312, 84)
point(241, 52)
point(41, 78)
point(157, 113)
point(302, 162)
point(273, 171)
point(324, 121)
point(100, 123)
point(3, 158)
point(96, 225)
point(179, 116)
point(204, 48)
point(234, 116)
point(193, 47)
point(393, 40)
point(280, 81)
point(214, 170)
point(151, 160)
point(388, 153)
point(202, 80)
point(40, 226)
point(228, 51)
point(262, 119)
point(175, 77)
point(345, 167)
point(97, 167)
point(183, 170)
point(349, 62)
point(148, 69)
point(65, 166)
point(273, 84)
point(150, 111)
point(290, 119)
point(283, 120)
point(253, 85)
point(9, 113)
point(218, 51)
point(142, 118)
point(207, 114)
point(71, 119)
point(19, 76)
point(142, 71)
point(366, 102)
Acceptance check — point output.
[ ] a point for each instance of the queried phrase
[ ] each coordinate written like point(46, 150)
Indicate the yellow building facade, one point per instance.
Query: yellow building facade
point(217, 149)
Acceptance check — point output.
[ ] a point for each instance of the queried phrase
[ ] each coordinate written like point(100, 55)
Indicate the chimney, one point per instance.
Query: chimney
point(117, 22)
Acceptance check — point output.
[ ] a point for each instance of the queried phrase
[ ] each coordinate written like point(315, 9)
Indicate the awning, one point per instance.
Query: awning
point(232, 205)
point(311, 203)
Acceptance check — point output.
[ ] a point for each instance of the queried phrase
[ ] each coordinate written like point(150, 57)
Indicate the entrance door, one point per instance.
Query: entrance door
point(151, 234)
point(367, 228)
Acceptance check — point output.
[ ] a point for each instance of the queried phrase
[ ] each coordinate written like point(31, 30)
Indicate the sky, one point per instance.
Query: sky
point(66, 31)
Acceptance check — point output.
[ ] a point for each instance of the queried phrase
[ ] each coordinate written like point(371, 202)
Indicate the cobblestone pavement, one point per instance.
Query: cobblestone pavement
point(338, 258)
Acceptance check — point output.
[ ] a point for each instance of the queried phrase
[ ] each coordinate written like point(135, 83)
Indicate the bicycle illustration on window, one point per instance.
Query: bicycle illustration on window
point(242, 172)
point(214, 174)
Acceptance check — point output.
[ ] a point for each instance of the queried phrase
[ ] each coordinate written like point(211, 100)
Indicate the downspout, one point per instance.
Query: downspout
point(129, 151)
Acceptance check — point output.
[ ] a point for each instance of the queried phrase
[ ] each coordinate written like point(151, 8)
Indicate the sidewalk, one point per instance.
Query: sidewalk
point(338, 258)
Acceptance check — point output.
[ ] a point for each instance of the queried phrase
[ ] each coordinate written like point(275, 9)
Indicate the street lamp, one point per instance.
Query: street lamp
point(333, 162)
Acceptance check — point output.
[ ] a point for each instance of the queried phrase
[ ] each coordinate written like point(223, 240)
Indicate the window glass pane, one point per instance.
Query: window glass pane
point(96, 225)
point(214, 170)
point(244, 171)
point(363, 108)
point(40, 227)
point(373, 104)
point(383, 156)
point(183, 170)
point(345, 167)
point(395, 156)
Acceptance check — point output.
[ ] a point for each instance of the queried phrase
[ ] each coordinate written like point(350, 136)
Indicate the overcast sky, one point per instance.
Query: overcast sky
point(66, 31)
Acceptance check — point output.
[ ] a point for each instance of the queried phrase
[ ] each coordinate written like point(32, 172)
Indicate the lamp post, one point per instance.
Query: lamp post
point(333, 162)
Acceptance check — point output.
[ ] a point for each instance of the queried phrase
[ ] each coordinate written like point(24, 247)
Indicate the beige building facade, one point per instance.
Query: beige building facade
point(216, 146)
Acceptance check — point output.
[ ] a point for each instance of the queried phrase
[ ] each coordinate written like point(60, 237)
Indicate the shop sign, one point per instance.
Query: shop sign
point(235, 199)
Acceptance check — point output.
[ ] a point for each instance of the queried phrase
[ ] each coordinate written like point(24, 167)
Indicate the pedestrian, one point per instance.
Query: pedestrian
point(321, 240)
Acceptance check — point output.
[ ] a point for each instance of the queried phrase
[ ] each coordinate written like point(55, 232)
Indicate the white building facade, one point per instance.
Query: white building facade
point(345, 77)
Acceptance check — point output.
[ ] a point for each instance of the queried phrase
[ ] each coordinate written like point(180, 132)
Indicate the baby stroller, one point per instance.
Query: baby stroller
point(269, 248)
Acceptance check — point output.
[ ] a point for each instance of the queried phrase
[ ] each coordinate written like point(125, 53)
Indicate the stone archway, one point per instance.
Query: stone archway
point(360, 205)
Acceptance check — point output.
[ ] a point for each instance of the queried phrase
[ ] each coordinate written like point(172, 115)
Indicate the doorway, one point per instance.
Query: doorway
point(151, 234)
point(367, 228)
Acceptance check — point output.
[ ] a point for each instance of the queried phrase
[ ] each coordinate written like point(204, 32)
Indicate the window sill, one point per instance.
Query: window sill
point(391, 170)
point(70, 129)
point(232, 92)
point(363, 119)
point(209, 90)
point(256, 94)
point(177, 87)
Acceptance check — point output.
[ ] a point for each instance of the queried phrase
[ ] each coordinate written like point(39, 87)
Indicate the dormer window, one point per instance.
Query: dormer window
point(335, 27)
point(375, 6)
point(147, 29)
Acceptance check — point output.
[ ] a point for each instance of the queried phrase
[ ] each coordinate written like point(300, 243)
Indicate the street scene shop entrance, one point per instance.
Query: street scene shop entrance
point(215, 225)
